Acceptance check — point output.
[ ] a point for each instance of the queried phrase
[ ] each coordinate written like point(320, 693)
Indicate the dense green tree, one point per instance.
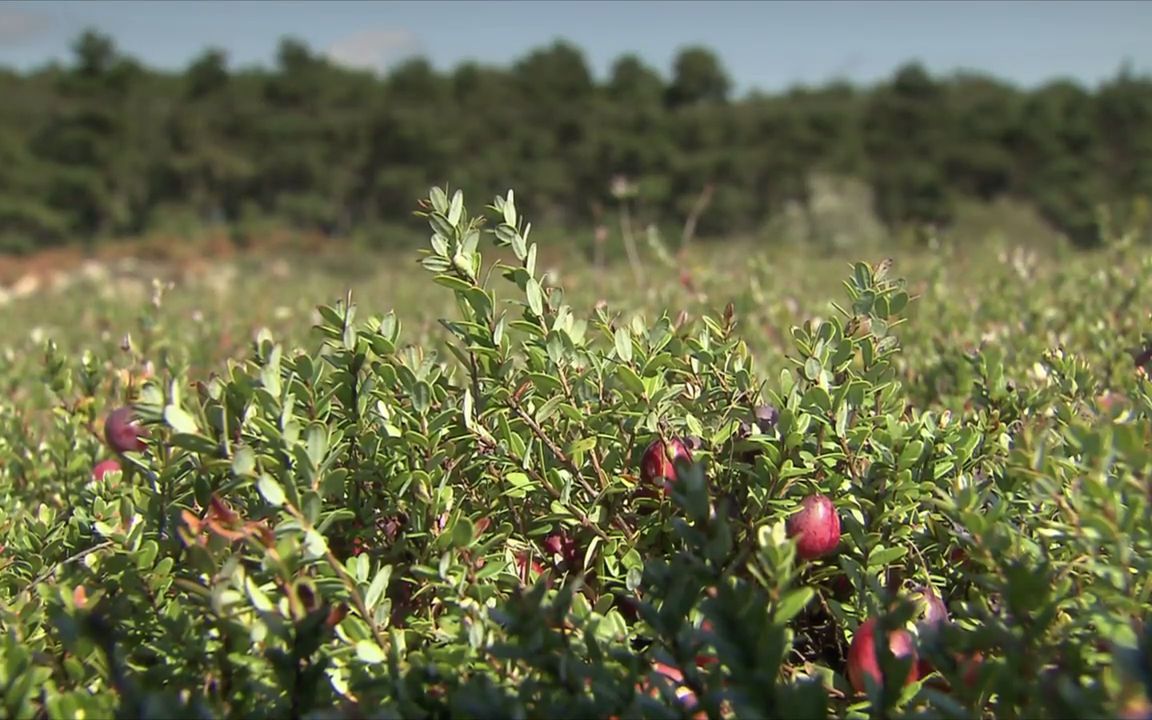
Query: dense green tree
point(101, 140)
point(1124, 114)
point(412, 137)
point(632, 136)
point(102, 146)
point(1061, 154)
point(631, 81)
point(906, 129)
point(985, 119)
point(207, 169)
point(557, 97)
point(491, 101)
point(314, 140)
point(27, 220)
point(698, 77)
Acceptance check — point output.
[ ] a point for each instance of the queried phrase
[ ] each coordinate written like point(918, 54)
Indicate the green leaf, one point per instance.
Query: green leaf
point(421, 397)
point(377, 588)
point(243, 461)
point(582, 445)
point(557, 348)
point(317, 444)
point(623, 345)
point(452, 282)
point(436, 264)
point(812, 368)
point(520, 484)
point(456, 208)
point(271, 490)
point(180, 420)
point(259, 599)
point(883, 557)
point(535, 297)
point(462, 533)
point(509, 209)
point(519, 246)
point(369, 652)
point(548, 409)
point(468, 417)
point(439, 200)
point(315, 544)
point(630, 379)
point(792, 603)
point(897, 303)
point(194, 443)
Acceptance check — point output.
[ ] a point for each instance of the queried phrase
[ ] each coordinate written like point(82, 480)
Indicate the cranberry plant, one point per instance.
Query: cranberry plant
point(565, 515)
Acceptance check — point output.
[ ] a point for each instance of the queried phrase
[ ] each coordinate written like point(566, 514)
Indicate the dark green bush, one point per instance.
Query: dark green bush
point(375, 531)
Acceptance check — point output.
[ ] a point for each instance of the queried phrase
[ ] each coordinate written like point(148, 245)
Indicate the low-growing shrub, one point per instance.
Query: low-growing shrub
point(374, 531)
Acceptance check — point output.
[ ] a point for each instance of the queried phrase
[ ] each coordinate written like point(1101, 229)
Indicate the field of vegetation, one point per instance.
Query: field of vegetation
point(500, 482)
point(832, 402)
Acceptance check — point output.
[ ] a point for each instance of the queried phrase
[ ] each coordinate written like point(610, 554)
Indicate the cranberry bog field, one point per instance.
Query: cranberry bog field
point(484, 480)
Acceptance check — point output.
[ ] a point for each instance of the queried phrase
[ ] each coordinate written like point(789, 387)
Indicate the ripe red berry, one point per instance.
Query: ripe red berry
point(562, 544)
point(933, 613)
point(658, 462)
point(523, 567)
point(706, 658)
point(123, 432)
point(841, 587)
point(862, 652)
point(816, 527)
point(968, 666)
point(104, 467)
point(971, 665)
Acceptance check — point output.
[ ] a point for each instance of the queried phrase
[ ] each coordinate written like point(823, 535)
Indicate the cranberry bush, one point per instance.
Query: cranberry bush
point(600, 516)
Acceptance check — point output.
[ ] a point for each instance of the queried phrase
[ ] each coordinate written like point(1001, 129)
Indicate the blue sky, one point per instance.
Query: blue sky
point(770, 45)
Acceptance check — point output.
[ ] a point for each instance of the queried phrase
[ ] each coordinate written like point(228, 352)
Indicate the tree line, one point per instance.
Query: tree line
point(103, 146)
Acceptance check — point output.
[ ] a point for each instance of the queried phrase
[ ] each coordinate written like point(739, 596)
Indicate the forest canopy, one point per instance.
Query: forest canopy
point(103, 146)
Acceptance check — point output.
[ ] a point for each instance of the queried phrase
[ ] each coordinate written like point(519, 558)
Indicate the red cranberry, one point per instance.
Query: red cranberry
point(104, 467)
point(816, 527)
point(123, 432)
point(658, 462)
point(862, 653)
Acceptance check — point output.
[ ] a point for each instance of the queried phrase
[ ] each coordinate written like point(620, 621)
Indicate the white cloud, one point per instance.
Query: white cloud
point(20, 25)
point(374, 49)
